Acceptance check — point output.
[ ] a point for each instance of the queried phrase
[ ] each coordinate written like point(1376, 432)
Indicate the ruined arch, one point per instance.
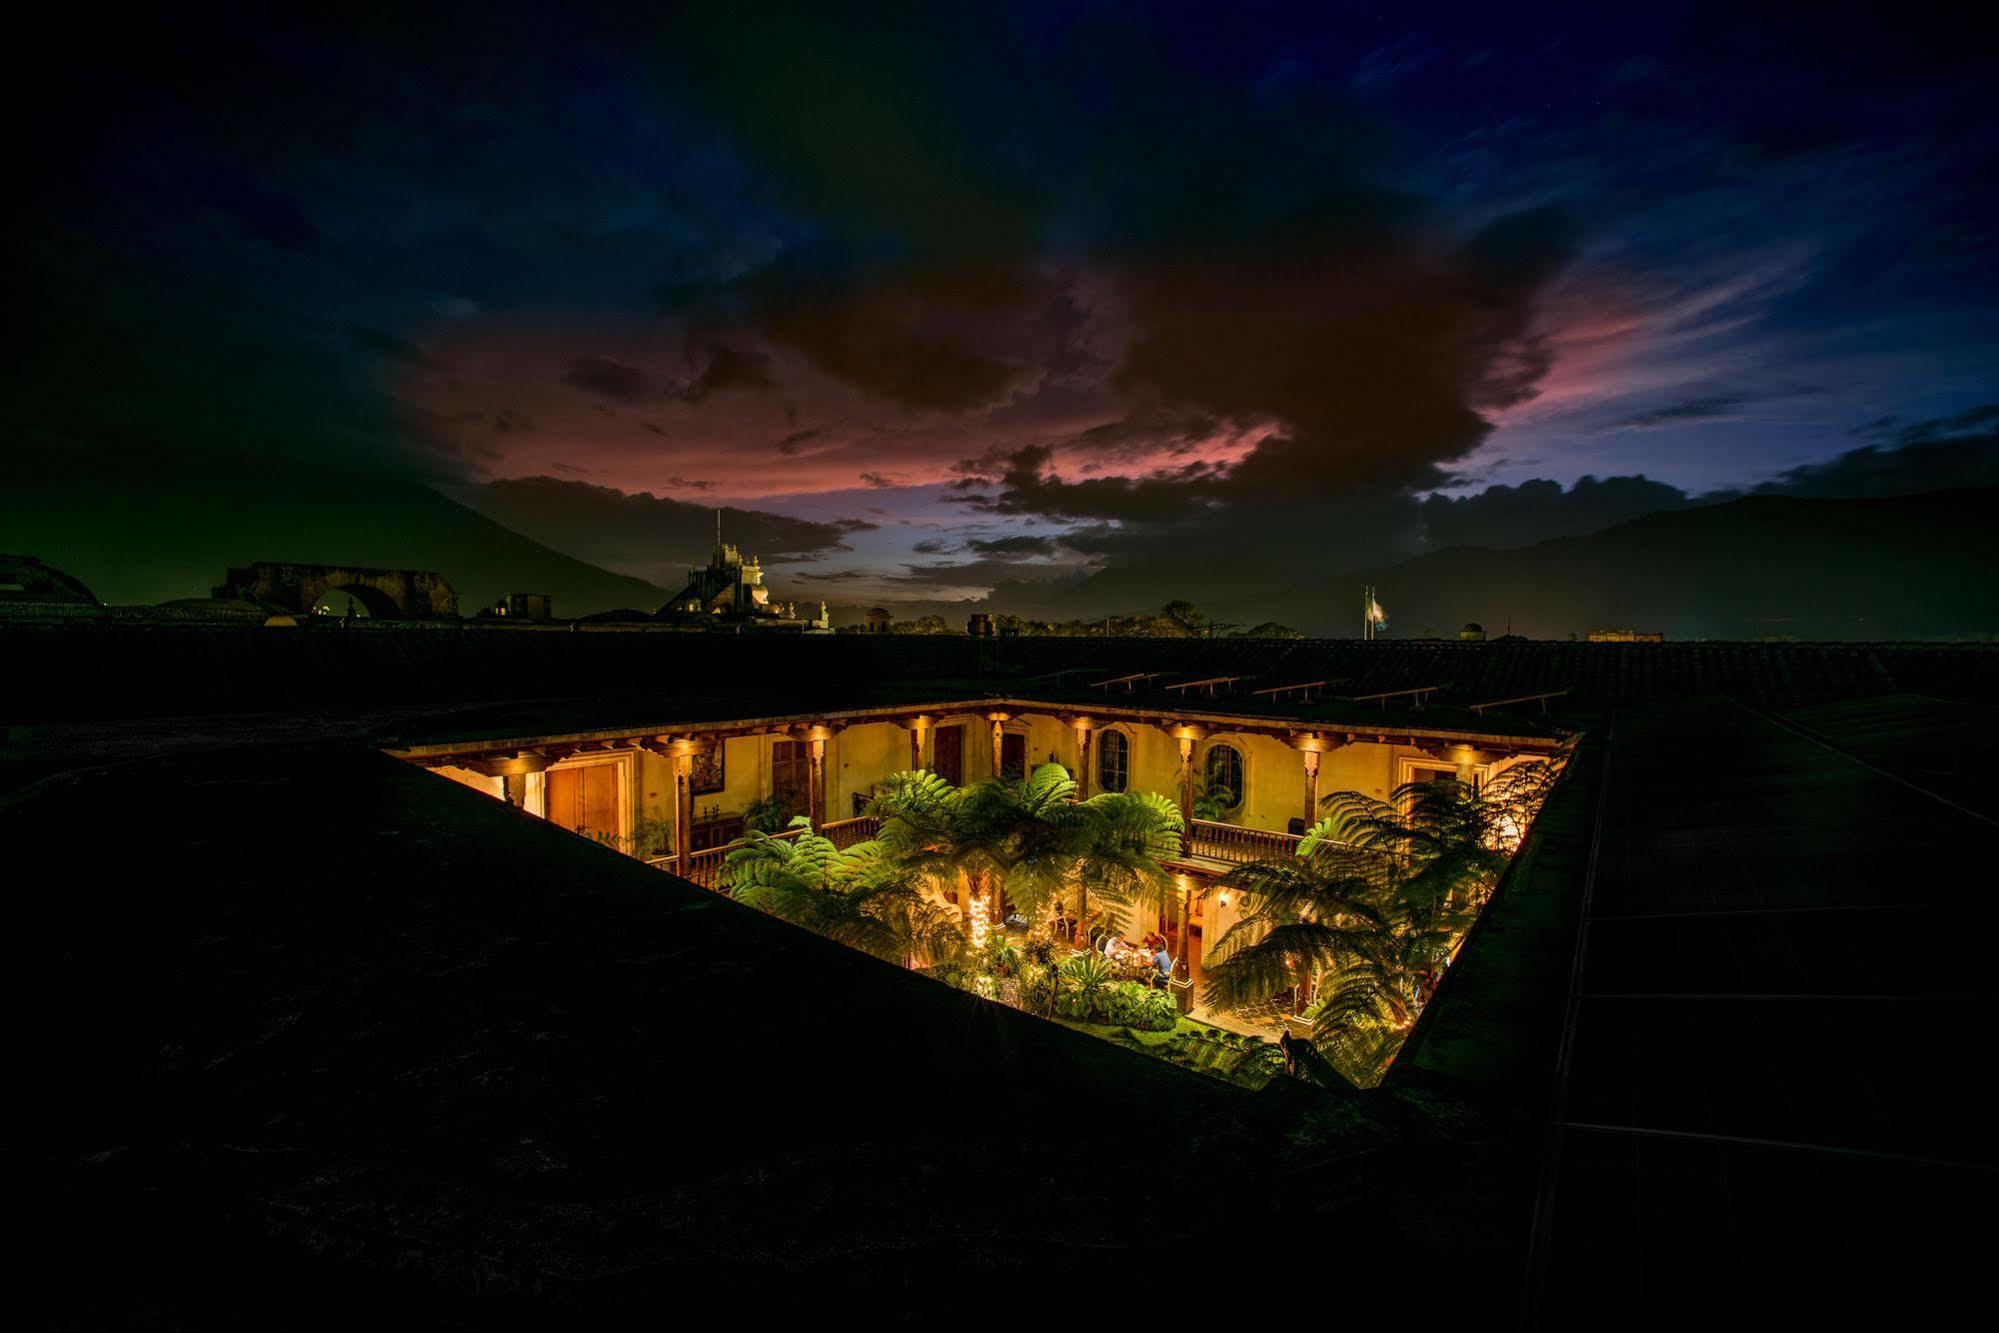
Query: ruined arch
point(24, 578)
point(389, 594)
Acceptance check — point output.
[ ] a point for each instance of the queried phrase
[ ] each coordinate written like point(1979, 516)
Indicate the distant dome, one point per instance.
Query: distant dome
point(1473, 627)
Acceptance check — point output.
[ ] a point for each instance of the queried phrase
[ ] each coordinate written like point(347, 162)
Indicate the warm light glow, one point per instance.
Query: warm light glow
point(981, 919)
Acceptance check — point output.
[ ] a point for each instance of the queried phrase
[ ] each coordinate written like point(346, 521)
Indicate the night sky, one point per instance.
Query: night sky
point(1092, 305)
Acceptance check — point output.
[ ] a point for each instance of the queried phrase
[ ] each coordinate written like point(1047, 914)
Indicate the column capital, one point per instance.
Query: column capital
point(510, 765)
point(677, 747)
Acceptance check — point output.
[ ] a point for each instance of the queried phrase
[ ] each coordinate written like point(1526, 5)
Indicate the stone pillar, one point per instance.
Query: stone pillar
point(514, 786)
point(919, 727)
point(1084, 733)
point(1311, 758)
point(999, 739)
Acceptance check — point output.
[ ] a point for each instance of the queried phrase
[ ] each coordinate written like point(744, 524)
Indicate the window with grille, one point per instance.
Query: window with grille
point(1113, 761)
point(1224, 773)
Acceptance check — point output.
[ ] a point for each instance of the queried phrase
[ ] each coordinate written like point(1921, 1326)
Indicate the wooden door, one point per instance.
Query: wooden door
point(585, 800)
point(950, 761)
point(788, 777)
point(1013, 755)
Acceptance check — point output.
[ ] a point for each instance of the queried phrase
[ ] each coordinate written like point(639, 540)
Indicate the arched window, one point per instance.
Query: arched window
point(1224, 773)
point(1113, 761)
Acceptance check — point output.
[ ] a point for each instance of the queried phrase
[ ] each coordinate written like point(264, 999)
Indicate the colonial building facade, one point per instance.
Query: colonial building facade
point(1262, 775)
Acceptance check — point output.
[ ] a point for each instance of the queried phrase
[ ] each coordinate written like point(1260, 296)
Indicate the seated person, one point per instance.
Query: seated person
point(1110, 944)
point(1162, 962)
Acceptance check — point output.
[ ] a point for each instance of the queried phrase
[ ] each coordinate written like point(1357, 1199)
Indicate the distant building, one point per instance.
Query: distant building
point(1473, 632)
point(1624, 636)
point(980, 625)
point(532, 607)
point(730, 595)
point(879, 620)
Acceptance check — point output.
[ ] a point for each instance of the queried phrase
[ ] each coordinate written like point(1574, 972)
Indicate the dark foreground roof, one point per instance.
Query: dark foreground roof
point(1736, 989)
point(321, 1034)
point(313, 1032)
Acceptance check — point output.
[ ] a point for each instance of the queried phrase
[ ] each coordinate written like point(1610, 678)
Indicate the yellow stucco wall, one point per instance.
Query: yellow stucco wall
point(858, 758)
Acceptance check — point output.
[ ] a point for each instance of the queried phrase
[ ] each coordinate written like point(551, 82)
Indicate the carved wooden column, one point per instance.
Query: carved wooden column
point(679, 752)
point(1187, 735)
point(815, 780)
point(999, 740)
point(1085, 731)
point(683, 804)
point(919, 727)
point(1311, 745)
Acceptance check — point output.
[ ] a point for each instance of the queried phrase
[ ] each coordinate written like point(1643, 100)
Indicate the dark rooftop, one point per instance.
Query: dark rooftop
point(327, 1032)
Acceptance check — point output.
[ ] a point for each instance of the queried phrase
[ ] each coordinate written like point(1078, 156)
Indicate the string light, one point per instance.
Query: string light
point(981, 919)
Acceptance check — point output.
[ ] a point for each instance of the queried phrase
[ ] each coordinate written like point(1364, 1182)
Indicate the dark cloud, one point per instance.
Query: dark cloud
point(1013, 548)
point(877, 480)
point(391, 346)
point(608, 379)
point(1506, 516)
point(1945, 453)
point(727, 367)
point(1705, 408)
point(885, 342)
point(1025, 484)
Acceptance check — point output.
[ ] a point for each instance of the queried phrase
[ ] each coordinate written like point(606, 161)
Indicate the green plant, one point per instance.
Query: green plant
point(1376, 892)
point(853, 895)
point(1213, 802)
point(1029, 838)
point(1086, 976)
point(767, 815)
point(652, 837)
point(1003, 956)
point(1037, 988)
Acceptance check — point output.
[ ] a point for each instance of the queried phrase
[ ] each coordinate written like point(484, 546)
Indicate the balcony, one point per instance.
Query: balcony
point(1215, 846)
point(705, 867)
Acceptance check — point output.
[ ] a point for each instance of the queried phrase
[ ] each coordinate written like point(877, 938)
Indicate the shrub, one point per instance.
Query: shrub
point(1037, 988)
point(1002, 957)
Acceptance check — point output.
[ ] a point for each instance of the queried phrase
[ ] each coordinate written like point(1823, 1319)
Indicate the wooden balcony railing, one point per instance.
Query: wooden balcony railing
point(705, 867)
point(844, 833)
point(1238, 845)
point(1231, 844)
